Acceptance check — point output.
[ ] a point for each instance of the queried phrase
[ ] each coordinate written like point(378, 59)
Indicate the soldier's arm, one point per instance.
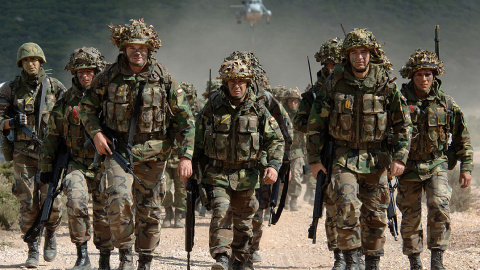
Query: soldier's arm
point(317, 126)
point(401, 125)
point(90, 108)
point(300, 122)
point(51, 139)
point(273, 141)
point(5, 93)
point(461, 140)
point(182, 122)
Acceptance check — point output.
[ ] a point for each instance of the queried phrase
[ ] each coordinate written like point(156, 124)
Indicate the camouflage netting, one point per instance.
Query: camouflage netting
point(86, 58)
point(235, 69)
point(278, 91)
point(292, 93)
point(362, 37)
point(421, 59)
point(136, 32)
point(30, 49)
point(330, 51)
point(252, 60)
point(188, 88)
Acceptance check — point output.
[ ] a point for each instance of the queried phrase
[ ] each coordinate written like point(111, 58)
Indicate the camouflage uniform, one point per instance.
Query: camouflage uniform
point(358, 113)
point(229, 140)
point(64, 126)
point(24, 92)
point(165, 113)
point(435, 119)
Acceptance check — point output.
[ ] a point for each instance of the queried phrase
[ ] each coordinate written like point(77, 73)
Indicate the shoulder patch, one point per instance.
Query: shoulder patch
point(179, 91)
point(272, 119)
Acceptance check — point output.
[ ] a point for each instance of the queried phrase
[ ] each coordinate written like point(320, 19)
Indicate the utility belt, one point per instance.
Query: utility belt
point(425, 156)
point(232, 166)
point(139, 138)
point(360, 146)
point(84, 154)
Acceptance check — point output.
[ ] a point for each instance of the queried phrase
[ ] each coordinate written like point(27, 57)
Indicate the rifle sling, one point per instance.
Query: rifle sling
point(283, 198)
point(133, 123)
point(42, 103)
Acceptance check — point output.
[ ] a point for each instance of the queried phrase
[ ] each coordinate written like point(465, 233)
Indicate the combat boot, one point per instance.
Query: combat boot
point(50, 246)
point(83, 262)
point(167, 221)
point(126, 259)
point(352, 258)
point(104, 261)
point(144, 261)
point(293, 204)
point(339, 263)
point(256, 258)
point(415, 262)
point(238, 265)
point(372, 262)
point(437, 260)
point(32, 259)
point(221, 262)
point(308, 194)
point(178, 219)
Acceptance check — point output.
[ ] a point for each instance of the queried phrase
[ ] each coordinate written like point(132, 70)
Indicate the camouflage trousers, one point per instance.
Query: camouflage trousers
point(31, 194)
point(177, 199)
point(263, 197)
point(409, 201)
point(361, 202)
point(330, 220)
point(295, 184)
point(237, 208)
point(76, 188)
point(124, 194)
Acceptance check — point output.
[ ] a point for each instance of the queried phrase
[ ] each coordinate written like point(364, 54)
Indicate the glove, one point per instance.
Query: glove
point(19, 120)
point(46, 177)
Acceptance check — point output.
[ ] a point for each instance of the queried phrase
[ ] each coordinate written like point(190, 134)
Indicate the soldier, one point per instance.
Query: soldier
point(357, 106)
point(436, 119)
point(231, 133)
point(31, 92)
point(64, 126)
point(177, 199)
point(329, 56)
point(212, 87)
point(136, 88)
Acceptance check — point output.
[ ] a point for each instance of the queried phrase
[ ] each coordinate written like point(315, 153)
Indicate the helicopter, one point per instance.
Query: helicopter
point(252, 11)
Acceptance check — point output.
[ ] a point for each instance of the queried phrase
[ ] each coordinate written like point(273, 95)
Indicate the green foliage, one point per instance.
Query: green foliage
point(461, 197)
point(9, 205)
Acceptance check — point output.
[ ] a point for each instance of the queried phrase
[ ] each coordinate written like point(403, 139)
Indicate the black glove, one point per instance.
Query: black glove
point(18, 121)
point(46, 177)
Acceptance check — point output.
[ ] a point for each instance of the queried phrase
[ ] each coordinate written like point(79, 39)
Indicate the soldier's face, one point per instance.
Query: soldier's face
point(293, 103)
point(237, 88)
point(137, 54)
point(359, 58)
point(31, 65)
point(85, 77)
point(423, 80)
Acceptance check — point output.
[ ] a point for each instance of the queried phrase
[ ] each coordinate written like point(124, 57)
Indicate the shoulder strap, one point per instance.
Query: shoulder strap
point(133, 123)
point(42, 102)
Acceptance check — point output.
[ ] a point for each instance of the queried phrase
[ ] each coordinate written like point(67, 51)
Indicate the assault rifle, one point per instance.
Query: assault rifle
point(59, 172)
point(323, 180)
point(391, 210)
point(283, 175)
point(192, 195)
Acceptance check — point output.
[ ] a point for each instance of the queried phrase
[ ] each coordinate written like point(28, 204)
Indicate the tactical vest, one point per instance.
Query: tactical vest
point(155, 112)
point(359, 118)
point(27, 104)
point(431, 127)
point(232, 143)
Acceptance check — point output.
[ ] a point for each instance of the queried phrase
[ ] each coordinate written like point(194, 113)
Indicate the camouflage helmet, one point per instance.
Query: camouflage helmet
point(422, 59)
point(254, 62)
point(213, 85)
point(137, 32)
point(279, 91)
point(30, 49)
point(292, 93)
point(188, 88)
point(235, 69)
point(330, 51)
point(358, 38)
point(86, 58)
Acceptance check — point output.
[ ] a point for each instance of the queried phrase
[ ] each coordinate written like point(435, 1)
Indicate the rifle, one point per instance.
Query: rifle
point(88, 142)
point(391, 210)
point(59, 172)
point(283, 175)
point(310, 71)
point(323, 180)
point(192, 195)
point(437, 42)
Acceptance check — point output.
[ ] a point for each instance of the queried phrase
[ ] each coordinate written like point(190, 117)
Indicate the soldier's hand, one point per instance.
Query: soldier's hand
point(317, 167)
point(397, 167)
point(465, 178)
point(101, 143)
point(19, 120)
point(270, 176)
point(184, 169)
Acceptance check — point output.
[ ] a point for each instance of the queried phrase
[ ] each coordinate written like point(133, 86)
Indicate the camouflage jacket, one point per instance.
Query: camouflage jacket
point(358, 114)
point(65, 123)
point(165, 115)
point(26, 97)
point(300, 120)
point(435, 120)
point(298, 141)
point(229, 140)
